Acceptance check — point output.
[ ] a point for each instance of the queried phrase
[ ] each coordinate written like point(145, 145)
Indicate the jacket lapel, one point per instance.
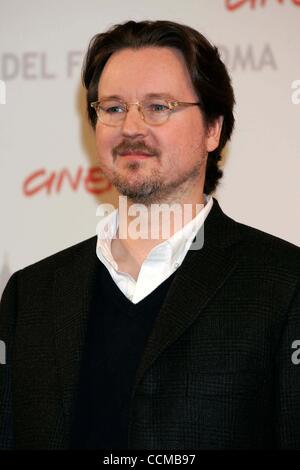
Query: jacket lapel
point(71, 296)
point(197, 280)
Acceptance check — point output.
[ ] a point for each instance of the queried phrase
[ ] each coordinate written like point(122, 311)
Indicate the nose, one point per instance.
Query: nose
point(133, 123)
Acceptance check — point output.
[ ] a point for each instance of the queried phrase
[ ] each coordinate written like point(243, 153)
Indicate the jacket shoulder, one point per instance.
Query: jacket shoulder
point(269, 249)
point(82, 250)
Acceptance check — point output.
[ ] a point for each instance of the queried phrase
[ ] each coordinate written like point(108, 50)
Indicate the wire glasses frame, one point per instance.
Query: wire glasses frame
point(162, 117)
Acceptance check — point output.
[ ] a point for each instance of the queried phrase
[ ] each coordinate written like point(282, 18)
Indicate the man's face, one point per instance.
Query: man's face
point(178, 147)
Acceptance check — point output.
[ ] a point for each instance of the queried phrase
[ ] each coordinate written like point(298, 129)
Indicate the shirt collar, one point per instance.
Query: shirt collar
point(174, 247)
point(106, 230)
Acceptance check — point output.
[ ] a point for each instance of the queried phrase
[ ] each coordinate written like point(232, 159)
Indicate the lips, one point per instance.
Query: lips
point(138, 154)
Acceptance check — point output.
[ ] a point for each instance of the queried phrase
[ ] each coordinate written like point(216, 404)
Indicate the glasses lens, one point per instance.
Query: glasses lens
point(155, 111)
point(111, 112)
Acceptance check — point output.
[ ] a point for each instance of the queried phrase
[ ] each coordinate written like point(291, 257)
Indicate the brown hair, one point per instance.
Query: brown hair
point(208, 73)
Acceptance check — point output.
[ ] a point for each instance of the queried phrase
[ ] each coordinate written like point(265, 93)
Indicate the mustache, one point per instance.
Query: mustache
point(134, 147)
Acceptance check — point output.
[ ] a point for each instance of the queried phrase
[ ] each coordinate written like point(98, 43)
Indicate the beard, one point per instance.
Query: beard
point(152, 189)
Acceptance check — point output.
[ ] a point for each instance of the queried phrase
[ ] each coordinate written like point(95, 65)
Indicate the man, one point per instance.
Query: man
point(145, 342)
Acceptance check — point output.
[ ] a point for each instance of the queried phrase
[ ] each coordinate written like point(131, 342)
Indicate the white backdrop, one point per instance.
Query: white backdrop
point(49, 182)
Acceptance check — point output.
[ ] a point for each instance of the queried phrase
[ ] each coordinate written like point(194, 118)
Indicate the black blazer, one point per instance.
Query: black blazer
point(219, 370)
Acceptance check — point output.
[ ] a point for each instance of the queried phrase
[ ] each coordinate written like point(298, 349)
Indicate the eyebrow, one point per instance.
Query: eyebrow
point(148, 95)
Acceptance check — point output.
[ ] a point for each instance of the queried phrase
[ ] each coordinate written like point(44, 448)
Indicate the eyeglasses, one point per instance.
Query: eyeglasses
point(153, 112)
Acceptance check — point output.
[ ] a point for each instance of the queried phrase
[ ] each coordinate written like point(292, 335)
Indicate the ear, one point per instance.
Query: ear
point(213, 134)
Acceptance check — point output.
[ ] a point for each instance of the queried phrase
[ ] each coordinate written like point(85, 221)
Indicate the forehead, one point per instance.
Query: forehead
point(138, 72)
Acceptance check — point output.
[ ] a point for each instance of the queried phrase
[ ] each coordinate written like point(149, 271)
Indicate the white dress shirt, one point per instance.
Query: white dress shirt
point(161, 261)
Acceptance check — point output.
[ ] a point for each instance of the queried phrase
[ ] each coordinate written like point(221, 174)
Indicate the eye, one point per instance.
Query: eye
point(112, 108)
point(157, 107)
